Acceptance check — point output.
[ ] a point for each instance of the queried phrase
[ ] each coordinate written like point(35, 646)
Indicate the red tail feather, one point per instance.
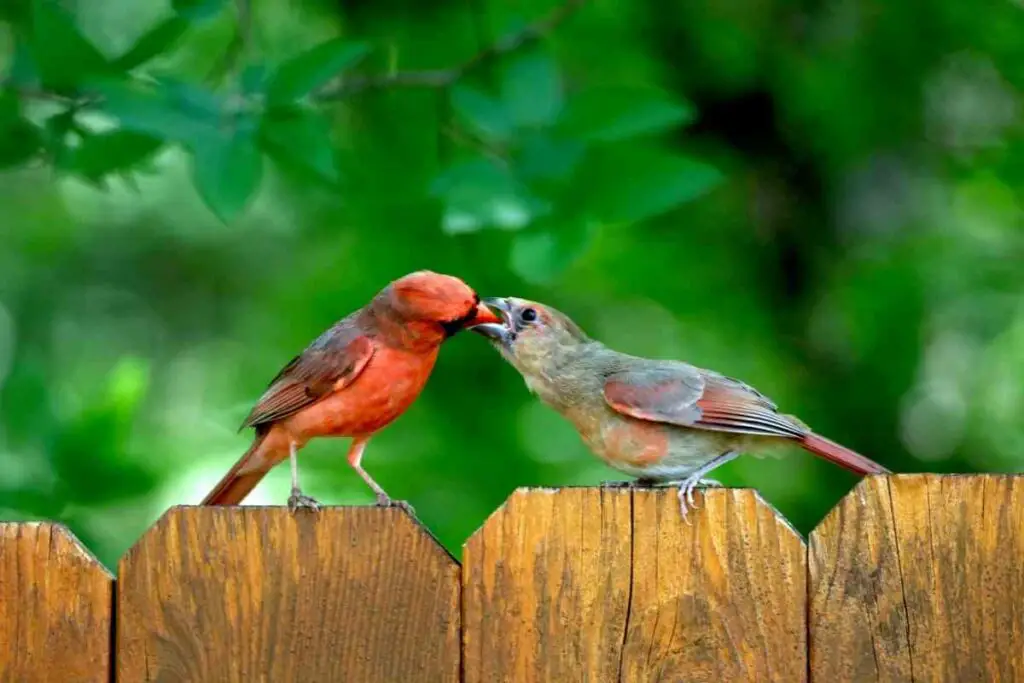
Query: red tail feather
point(841, 455)
point(234, 487)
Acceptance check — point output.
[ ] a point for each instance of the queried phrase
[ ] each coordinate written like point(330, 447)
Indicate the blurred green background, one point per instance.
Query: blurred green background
point(820, 198)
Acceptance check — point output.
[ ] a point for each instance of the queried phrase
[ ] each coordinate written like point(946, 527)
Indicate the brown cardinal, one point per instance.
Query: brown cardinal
point(662, 421)
point(353, 380)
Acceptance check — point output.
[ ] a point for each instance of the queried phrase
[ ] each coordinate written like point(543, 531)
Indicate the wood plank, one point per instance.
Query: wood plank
point(596, 584)
point(920, 577)
point(248, 594)
point(55, 607)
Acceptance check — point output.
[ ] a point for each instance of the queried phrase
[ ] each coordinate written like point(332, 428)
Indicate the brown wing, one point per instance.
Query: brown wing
point(329, 364)
point(687, 396)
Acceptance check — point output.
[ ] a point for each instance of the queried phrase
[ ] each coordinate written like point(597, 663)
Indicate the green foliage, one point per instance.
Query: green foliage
point(197, 10)
point(99, 155)
point(228, 170)
point(531, 89)
point(61, 55)
point(158, 40)
point(21, 140)
point(307, 72)
point(527, 140)
point(300, 139)
point(611, 114)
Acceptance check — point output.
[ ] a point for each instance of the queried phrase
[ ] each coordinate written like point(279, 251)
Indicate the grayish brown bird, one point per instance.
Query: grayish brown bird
point(665, 422)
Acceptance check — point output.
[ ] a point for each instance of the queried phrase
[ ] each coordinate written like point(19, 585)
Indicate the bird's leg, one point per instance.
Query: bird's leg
point(696, 479)
point(298, 499)
point(355, 455)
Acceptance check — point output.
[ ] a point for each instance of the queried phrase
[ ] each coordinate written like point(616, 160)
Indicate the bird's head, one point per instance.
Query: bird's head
point(531, 336)
point(435, 303)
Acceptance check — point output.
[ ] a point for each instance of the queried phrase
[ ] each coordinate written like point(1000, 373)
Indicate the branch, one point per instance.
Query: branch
point(442, 78)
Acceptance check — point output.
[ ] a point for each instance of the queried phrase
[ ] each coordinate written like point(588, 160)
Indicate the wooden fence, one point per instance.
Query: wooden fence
point(909, 578)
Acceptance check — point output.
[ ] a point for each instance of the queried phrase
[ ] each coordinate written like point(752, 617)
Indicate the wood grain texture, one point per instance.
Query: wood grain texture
point(55, 607)
point(920, 578)
point(611, 584)
point(249, 594)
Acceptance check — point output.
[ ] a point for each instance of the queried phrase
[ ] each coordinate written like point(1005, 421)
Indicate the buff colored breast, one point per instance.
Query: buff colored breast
point(646, 449)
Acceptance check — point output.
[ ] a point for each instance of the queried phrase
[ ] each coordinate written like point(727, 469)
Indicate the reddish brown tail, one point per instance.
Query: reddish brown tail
point(841, 455)
point(234, 487)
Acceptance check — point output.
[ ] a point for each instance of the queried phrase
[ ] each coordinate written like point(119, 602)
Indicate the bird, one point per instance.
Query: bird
point(664, 422)
point(354, 380)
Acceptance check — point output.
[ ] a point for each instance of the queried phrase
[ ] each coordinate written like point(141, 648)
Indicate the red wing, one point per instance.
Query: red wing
point(318, 371)
point(687, 396)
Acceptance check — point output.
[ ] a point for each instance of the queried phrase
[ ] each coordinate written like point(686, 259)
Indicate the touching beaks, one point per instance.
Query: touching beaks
point(500, 305)
point(483, 315)
point(494, 328)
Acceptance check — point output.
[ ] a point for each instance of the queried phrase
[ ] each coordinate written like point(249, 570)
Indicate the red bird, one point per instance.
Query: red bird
point(662, 421)
point(353, 380)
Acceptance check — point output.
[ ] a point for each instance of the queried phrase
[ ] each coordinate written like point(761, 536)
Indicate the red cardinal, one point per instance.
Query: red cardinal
point(353, 380)
point(661, 421)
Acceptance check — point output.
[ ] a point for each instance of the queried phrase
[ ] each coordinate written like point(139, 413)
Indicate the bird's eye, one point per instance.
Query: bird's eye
point(528, 315)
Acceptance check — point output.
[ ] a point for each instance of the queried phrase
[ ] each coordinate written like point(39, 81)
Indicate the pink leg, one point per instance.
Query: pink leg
point(355, 455)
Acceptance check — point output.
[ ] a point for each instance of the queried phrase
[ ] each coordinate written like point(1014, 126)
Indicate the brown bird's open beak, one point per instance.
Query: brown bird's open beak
point(494, 328)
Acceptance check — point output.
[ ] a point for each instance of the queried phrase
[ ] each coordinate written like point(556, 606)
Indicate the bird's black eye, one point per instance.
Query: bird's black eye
point(528, 315)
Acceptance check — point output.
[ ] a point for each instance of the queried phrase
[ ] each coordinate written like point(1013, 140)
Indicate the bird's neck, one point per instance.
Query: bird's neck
point(407, 335)
point(568, 380)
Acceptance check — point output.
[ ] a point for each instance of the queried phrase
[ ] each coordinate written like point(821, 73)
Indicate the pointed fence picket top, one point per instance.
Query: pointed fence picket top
point(261, 594)
point(920, 577)
point(603, 584)
point(55, 607)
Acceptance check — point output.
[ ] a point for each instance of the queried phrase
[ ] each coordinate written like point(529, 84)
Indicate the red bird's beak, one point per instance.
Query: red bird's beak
point(482, 315)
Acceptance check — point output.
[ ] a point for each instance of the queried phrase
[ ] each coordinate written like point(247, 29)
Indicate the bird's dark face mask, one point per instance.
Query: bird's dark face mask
point(479, 315)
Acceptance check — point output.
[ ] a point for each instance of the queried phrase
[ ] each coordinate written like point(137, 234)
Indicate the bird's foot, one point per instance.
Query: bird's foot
point(300, 500)
point(686, 489)
point(385, 501)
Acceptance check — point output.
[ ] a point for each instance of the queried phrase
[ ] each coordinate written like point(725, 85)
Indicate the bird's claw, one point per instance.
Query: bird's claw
point(686, 489)
point(385, 501)
point(298, 500)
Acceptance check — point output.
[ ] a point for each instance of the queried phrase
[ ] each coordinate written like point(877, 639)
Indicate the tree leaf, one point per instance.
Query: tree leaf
point(545, 158)
point(608, 114)
point(541, 256)
point(301, 139)
point(14, 11)
point(310, 70)
point(56, 130)
point(630, 184)
point(197, 10)
point(116, 151)
point(485, 114)
point(253, 79)
point(62, 55)
point(22, 70)
point(162, 111)
point(227, 172)
point(154, 42)
point(480, 193)
point(19, 139)
point(531, 88)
